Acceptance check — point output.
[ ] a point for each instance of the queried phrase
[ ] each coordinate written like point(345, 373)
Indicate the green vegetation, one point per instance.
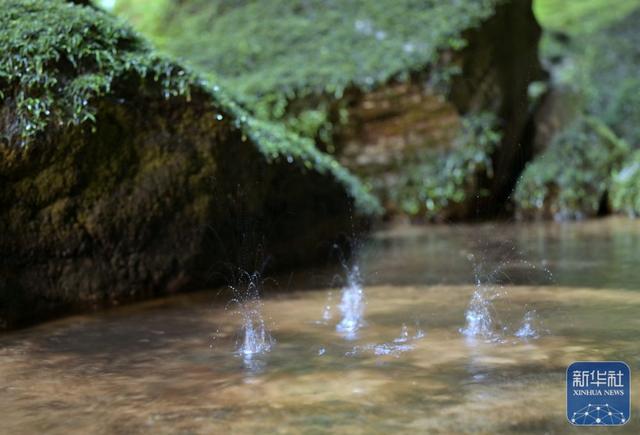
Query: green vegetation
point(293, 61)
point(613, 62)
point(310, 46)
point(274, 51)
point(596, 69)
point(444, 179)
point(583, 16)
point(570, 178)
point(601, 58)
point(58, 60)
point(625, 187)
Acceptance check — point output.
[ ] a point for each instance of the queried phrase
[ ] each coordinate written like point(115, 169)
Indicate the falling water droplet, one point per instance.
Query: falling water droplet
point(326, 313)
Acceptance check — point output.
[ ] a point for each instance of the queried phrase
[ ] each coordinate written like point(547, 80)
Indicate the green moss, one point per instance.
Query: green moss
point(274, 51)
point(276, 142)
point(570, 178)
point(581, 17)
point(289, 46)
point(601, 58)
point(625, 187)
point(613, 64)
point(598, 67)
point(58, 61)
point(56, 58)
point(445, 179)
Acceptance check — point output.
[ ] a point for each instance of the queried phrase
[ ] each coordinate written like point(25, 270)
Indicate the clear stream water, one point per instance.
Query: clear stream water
point(401, 354)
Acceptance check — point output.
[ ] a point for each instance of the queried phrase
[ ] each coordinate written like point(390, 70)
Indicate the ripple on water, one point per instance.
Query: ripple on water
point(400, 376)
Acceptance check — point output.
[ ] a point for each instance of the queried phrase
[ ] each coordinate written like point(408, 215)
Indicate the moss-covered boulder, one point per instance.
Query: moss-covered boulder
point(124, 175)
point(588, 125)
point(390, 87)
point(570, 179)
point(624, 193)
point(595, 51)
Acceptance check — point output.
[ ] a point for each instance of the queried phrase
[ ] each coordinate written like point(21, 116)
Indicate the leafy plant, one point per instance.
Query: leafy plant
point(625, 187)
point(444, 178)
point(569, 179)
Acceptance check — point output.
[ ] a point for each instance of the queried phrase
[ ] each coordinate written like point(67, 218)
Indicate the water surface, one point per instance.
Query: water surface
point(172, 366)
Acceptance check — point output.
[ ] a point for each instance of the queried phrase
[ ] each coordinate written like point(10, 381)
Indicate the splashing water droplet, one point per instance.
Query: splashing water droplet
point(352, 305)
point(404, 335)
point(527, 330)
point(326, 313)
point(481, 316)
point(255, 337)
point(479, 321)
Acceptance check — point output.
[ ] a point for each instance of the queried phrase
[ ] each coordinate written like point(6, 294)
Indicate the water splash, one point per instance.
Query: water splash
point(481, 318)
point(254, 339)
point(528, 330)
point(480, 322)
point(326, 312)
point(352, 305)
point(404, 335)
point(403, 343)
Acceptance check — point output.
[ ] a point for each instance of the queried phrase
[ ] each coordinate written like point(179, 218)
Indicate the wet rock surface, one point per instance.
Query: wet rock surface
point(157, 191)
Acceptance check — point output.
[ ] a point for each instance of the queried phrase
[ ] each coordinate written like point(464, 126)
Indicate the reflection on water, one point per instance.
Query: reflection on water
point(600, 254)
point(149, 368)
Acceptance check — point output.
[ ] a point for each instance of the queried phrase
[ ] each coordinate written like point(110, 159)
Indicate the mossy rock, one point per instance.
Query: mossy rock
point(285, 48)
point(625, 187)
point(571, 178)
point(137, 178)
point(591, 114)
point(594, 50)
point(382, 85)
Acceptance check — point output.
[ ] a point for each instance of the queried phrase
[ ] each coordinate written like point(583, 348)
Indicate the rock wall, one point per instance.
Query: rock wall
point(159, 198)
point(404, 123)
point(498, 65)
point(384, 85)
point(587, 125)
